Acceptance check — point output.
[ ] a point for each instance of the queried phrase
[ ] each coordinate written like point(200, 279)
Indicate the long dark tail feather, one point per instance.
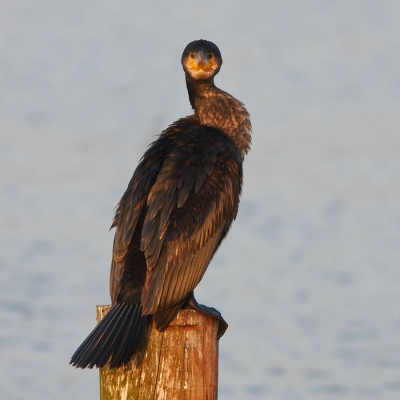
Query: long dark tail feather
point(128, 346)
point(117, 336)
point(87, 348)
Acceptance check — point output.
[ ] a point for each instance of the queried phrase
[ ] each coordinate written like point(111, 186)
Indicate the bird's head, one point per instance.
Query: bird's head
point(201, 59)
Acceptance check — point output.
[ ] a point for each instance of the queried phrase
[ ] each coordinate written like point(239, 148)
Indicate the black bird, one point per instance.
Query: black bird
point(178, 207)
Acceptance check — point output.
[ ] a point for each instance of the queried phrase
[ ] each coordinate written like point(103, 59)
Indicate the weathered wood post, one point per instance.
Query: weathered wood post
point(180, 363)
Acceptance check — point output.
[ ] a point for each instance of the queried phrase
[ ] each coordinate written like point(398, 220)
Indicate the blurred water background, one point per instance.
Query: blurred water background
point(308, 278)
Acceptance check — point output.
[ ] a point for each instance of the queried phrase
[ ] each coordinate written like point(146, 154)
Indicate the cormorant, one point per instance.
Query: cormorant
point(178, 207)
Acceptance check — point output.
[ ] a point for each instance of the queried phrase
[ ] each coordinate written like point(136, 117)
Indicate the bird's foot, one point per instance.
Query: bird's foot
point(192, 304)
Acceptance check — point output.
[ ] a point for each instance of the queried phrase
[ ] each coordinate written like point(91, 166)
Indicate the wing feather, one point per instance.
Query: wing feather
point(177, 209)
point(197, 212)
point(134, 201)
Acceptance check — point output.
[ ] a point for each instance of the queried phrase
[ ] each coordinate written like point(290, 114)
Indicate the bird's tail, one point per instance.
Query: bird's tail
point(117, 336)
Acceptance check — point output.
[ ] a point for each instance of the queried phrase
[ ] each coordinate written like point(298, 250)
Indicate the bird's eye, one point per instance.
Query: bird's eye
point(191, 55)
point(210, 56)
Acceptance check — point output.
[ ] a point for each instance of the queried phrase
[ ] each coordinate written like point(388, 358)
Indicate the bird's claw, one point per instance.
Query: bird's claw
point(192, 304)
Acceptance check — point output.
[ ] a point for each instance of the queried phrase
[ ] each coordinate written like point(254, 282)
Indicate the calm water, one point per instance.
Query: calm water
point(308, 278)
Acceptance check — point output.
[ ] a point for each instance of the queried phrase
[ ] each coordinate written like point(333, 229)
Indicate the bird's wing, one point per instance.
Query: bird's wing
point(190, 209)
point(133, 202)
point(130, 208)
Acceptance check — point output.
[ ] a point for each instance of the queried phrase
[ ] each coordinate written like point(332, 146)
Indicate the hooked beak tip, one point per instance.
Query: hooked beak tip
point(201, 60)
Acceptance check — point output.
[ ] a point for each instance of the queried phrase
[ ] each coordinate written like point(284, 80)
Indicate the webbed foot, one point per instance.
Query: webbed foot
point(192, 304)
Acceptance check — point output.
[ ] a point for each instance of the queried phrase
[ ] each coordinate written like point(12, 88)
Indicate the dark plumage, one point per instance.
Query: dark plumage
point(178, 207)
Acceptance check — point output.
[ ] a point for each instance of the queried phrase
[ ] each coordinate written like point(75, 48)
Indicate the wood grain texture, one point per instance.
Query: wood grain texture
point(180, 363)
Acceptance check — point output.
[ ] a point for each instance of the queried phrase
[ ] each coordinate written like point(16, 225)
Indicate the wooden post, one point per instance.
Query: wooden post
point(180, 363)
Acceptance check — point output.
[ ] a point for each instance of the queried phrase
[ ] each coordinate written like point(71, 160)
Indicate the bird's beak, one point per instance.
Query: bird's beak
point(201, 62)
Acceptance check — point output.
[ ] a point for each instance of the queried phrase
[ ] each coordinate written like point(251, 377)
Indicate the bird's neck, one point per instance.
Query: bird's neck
point(218, 109)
